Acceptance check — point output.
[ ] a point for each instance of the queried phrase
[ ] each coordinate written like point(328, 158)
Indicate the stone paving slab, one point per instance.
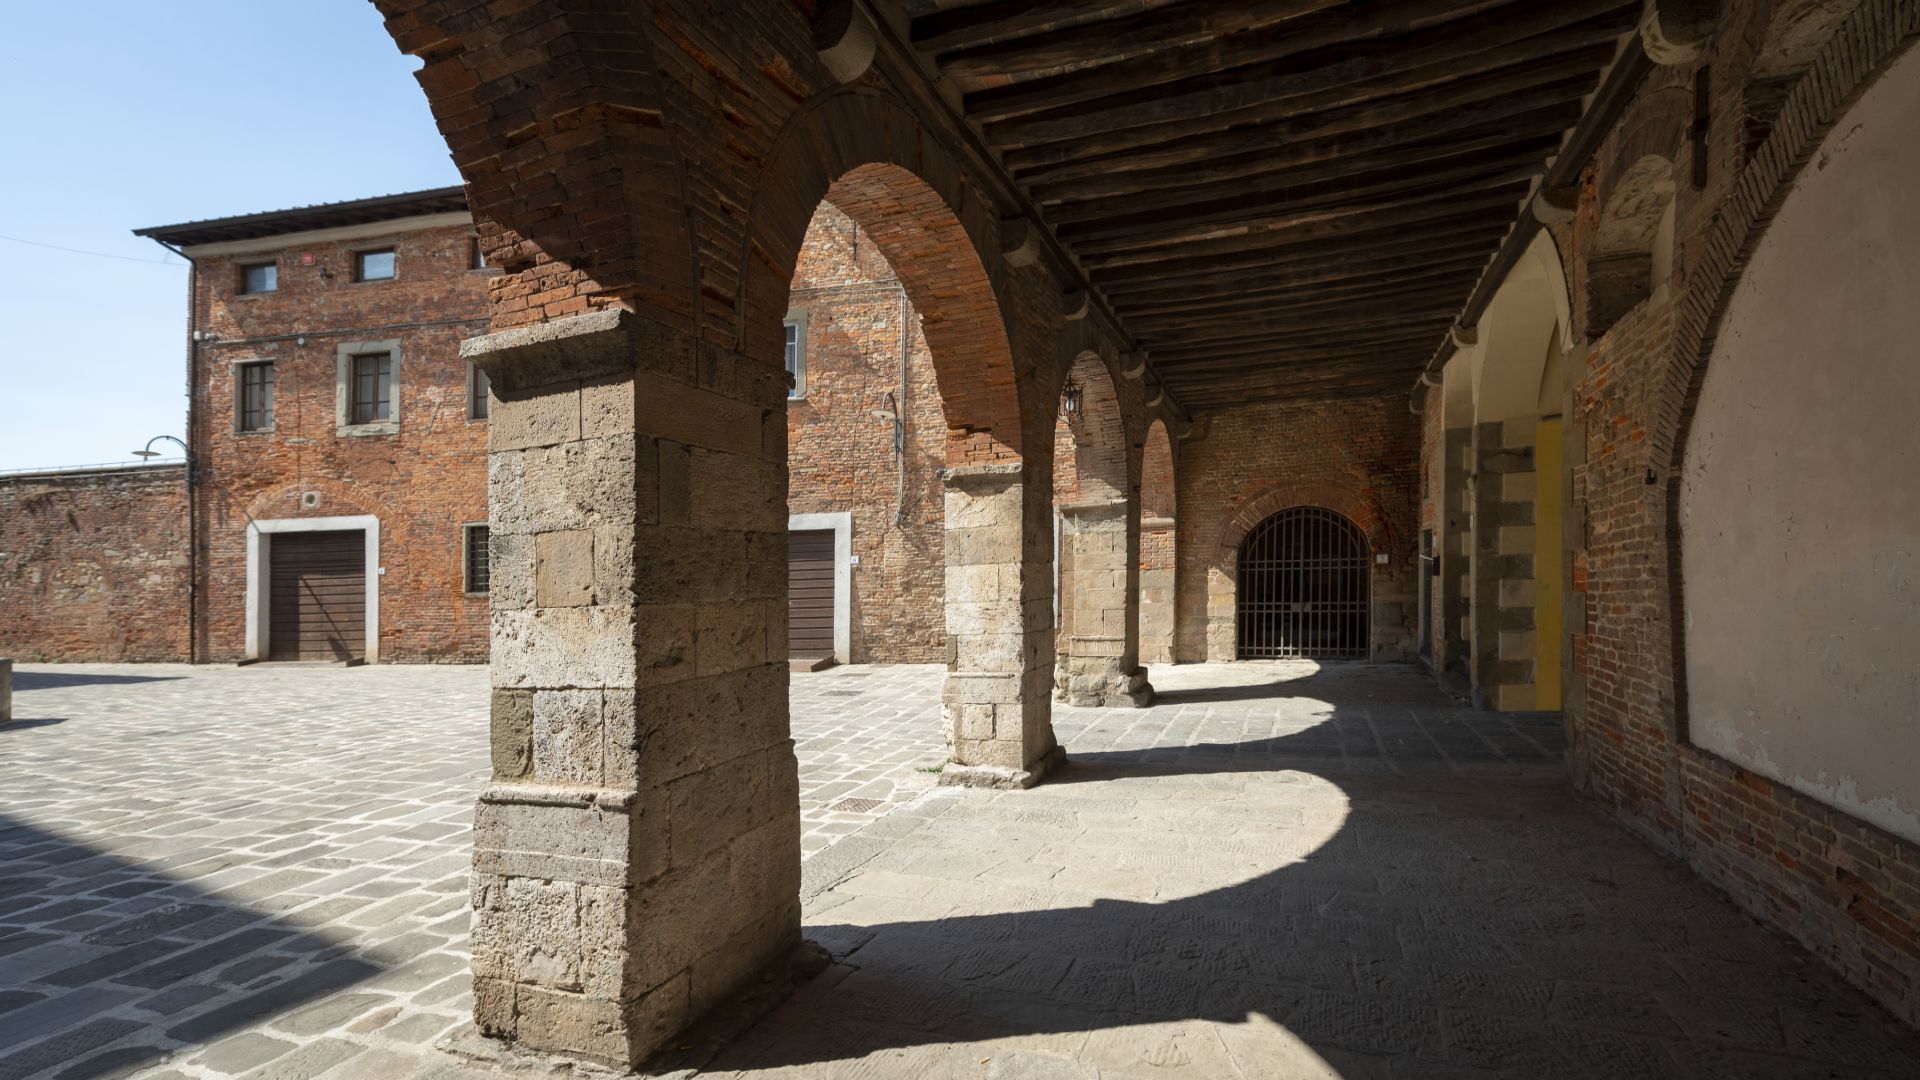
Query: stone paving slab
point(1276, 872)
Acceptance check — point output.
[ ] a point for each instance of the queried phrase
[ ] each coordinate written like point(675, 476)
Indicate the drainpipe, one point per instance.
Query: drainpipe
point(193, 377)
point(900, 412)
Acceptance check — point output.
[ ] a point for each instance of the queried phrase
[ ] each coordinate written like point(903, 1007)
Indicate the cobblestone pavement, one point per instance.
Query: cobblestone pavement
point(262, 872)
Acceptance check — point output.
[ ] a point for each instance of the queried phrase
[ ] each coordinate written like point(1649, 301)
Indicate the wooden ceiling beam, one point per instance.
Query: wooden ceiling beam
point(1317, 222)
point(1331, 272)
point(1493, 209)
point(1307, 392)
point(1392, 294)
point(1385, 173)
point(1255, 319)
point(1422, 285)
point(1415, 343)
point(1321, 203)
point(1412, 242)
point(1115, 41)
point(1567, 78)
point(1518, 34)
point(1344, 337)
point(1333, 365)
point(1323, 159)
point(1370, 19)
point(974, 25)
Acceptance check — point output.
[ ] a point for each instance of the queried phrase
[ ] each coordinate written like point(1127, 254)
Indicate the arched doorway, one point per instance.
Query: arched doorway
point(1303, 588)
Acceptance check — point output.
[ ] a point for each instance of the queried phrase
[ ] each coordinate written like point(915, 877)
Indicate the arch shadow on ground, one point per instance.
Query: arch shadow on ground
point(1395, 887)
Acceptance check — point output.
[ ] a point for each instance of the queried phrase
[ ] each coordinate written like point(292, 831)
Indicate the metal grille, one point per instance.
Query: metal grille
point(1303, 588)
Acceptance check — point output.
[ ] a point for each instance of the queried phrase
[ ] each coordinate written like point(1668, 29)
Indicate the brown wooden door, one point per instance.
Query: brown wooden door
point(319, 596)
point(810, 593)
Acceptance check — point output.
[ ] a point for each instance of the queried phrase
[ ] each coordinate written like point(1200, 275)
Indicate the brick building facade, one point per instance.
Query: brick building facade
point(93, 564)
point(329, 395)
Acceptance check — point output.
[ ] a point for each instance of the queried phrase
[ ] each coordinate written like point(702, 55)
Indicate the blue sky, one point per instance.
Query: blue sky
point(126, 114)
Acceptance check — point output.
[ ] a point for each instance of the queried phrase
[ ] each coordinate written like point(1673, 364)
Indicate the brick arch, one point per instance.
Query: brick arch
point(1158, 494)
point(1877, 33)
point(1343, 501)
point(336, 500)
point(1872, 38)
point(866, 154)
point(1090, 448)
point(519, 111)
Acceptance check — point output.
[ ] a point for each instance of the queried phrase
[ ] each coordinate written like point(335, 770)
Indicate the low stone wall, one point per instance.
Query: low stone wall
point(93, 565)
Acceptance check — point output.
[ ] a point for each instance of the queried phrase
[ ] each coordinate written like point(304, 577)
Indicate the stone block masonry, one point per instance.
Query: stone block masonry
point(636, 860)
point(93, 565)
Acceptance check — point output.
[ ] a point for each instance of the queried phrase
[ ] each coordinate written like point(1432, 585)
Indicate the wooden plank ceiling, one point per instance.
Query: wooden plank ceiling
point(1282, 199)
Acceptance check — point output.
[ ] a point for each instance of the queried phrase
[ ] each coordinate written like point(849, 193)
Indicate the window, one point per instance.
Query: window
point(473, 559)
point(797, 354)
point(478, 386)
point(371, 390)
point(373, 265)
point(476, 259)
point(255, 404)
point(259, 278)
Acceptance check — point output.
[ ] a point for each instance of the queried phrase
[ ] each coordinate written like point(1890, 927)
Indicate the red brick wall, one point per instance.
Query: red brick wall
point(1361, 453)
point(1846, 889)
point(841, 456)
point(423, 483)
point(93, 566)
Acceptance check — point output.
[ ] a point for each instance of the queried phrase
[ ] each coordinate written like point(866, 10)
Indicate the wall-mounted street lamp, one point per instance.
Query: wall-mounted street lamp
point(149, 452)
point(1070, 399)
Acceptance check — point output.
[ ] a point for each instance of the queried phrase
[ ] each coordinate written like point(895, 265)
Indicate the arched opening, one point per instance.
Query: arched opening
point(1159, 535)
point(1632, 250)
point(866, 436)
point(1512, 545)
point(1303, 588)
point(1095, 644)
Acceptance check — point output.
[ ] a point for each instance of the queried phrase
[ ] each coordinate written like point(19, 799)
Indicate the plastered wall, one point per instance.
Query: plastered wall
point(1799, 505)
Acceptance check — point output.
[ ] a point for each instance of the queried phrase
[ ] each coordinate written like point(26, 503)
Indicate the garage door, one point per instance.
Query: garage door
point(810, 593)
point(319, 597)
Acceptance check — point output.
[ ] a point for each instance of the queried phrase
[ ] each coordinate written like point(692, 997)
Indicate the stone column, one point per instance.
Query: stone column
point(1503, 583)
point(1099, 659)
point(636, 856)
point(1157, 590)
point(1455, 554)
point(994, 705)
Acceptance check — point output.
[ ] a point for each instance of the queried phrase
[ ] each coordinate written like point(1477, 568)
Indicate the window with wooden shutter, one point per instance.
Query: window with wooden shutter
point(255, 384)
point(372, 389)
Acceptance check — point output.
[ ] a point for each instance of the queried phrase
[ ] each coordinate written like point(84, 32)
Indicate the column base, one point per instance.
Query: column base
point(1098, 685)
point(1002, 779)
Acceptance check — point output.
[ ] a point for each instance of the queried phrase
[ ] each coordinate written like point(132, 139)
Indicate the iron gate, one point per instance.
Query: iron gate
point(1303, 588)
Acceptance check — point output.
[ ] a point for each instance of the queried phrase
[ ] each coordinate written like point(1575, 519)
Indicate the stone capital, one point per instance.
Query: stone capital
point(1676, 32)
point(562, 350)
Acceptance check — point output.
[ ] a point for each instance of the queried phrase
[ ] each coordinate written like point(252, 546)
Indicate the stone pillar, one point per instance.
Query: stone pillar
point(1455, 554)
point(1099, 658)
point(994, 705)
point(6, 689)
point(1157, 585)
point(1503, 582)
point(636, 856)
